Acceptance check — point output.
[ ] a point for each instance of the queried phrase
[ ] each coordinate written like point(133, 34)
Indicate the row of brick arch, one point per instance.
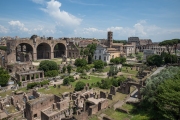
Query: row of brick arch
point(28, 52)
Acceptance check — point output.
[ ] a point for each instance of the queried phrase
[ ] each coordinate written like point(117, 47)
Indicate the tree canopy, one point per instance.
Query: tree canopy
point(118, 60)
point(79, 86)
point(4, 77)
point(80, 62)
point(155, 60)
point(47, 65)
point(98, 64)
point(161, 94)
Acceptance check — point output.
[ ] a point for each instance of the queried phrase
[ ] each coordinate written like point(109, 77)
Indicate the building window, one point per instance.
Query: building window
point(104, 58)
point(99, 51)
point(99, 57)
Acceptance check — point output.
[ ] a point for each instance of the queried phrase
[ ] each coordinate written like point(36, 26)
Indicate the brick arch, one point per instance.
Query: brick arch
point(59, 49)
point(24, 51)
point(43, 50)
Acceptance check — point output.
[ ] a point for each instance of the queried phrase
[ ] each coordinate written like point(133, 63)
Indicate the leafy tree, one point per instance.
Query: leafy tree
point(106, 84)
point(113, 71)
point(90, 59)
point(98, 64)
point(69, 68)
point(168, 99)
point(64, 69)
point(175, 43)
point(80, 62)
point(122, 60)
point(105, 63)
point(169, 45)
point(47, 65)
point(79, 86)
point(150, 92)
point(4, 77)
point(115, 82)
point(81, 52)
point(51, 73)
point(170, 58)
point(66, 81)
point(120, 41)
point(118, 60)
point(154, 60)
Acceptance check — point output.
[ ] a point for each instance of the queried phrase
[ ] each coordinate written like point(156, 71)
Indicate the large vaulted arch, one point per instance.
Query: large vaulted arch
point(24, 52)
point(59, 50)
point(43, 51)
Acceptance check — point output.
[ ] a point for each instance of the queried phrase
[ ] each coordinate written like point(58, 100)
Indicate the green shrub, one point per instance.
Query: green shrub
point(66, 81)
point(51, 73)
point(79, 86)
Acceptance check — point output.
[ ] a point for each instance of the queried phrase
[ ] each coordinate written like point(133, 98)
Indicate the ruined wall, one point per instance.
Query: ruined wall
point(102, 105)
point(63, 104)
point(34, 108)
point(93, 109)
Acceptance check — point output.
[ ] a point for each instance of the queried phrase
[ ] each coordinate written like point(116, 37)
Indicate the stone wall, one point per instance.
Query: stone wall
point(93, 109)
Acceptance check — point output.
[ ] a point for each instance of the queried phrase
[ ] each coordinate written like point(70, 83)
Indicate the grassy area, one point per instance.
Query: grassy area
point(4, 93)
point(90, 81)
point(93, 117)
point(118, 96)
point(97, 74)
point(116, 115)
point(106, 69)
point(133, 71)
point(56, 90)
point(127, 107)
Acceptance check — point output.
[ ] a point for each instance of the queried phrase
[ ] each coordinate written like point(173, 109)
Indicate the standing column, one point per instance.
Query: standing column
point(43, 74)
point(20, 78)
point(25, 77)
point(30, 77)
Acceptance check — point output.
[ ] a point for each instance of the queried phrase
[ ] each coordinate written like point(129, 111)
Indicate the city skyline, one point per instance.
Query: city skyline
point(155, 19)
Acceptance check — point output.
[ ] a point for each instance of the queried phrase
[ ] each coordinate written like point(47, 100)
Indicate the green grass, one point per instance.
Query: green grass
point(3, 93)
point(127, 107)
point(106, 69)
point(116, 115)
point(90, 81)
point(93, 117)
point(56, 91)
point(133, 71)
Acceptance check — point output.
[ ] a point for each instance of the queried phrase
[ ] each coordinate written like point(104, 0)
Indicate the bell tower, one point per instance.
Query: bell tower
point(110, 39)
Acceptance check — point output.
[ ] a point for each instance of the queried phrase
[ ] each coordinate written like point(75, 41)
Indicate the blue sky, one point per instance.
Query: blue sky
point(155, 19)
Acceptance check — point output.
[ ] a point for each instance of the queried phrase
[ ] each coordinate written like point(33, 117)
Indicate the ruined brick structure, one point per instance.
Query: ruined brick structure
point(35, 48)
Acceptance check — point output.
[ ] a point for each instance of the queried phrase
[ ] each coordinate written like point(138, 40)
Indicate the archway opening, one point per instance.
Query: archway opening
point(24, 52)
point(59, 50)
point(43, 51)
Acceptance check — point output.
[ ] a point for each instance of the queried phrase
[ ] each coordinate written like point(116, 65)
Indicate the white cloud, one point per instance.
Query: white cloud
point(19, 25)
point(3, 29)
point(62, 17)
